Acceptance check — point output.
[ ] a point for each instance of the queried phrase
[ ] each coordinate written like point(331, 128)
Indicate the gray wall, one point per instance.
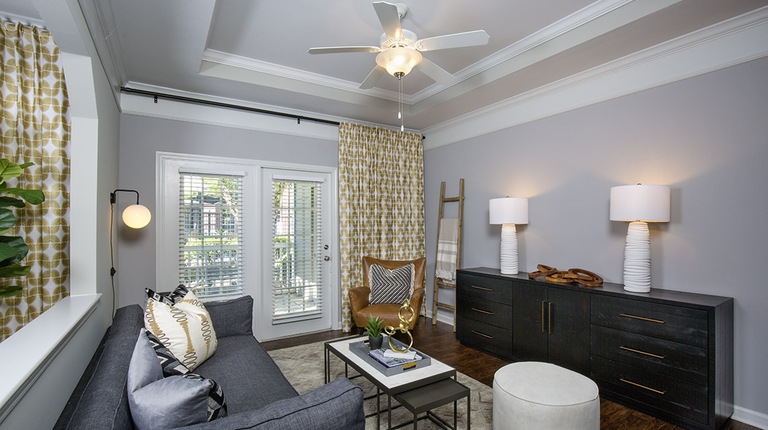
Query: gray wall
point(706, 137)
point(142, 137)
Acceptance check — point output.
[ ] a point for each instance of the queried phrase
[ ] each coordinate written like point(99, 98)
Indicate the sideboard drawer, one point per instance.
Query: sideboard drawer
point(492, 313)
point(674, 323)
point(480, 288)
point(495, 340)
point(678, 360)
point(658, 391)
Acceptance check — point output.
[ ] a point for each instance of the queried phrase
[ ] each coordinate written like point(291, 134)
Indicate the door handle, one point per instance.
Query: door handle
point(543, 330)
point(549, 318)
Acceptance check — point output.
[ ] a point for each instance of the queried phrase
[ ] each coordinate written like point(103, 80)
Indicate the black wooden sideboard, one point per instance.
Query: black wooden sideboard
point(666, 353)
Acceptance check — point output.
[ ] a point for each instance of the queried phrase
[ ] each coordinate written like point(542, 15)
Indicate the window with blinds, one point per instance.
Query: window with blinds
point(296, 250)
point(210, 234)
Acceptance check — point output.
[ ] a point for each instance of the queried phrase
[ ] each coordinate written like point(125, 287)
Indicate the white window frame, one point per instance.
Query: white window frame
point(167, 169)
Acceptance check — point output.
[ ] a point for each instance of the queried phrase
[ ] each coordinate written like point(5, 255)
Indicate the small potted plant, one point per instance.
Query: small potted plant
point(374, 328)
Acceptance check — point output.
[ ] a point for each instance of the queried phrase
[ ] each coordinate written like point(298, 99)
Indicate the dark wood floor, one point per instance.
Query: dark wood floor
point(440, 342)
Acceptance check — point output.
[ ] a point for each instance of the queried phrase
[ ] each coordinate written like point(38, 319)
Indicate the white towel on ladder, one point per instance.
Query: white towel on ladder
point(447, 249)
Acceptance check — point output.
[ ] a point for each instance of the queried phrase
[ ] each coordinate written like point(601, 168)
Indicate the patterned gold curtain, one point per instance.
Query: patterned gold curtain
point(35, 128)
point(381, 201)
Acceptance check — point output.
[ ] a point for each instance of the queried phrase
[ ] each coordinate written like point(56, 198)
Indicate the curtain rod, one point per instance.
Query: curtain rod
point(157, 95)
point(166, 96)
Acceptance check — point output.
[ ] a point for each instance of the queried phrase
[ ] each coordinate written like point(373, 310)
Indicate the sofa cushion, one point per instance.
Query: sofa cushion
point(157, 402)
point(185, 328)
point(232, 317)
point(250, 377)
point(390, 286)
point(100, 399)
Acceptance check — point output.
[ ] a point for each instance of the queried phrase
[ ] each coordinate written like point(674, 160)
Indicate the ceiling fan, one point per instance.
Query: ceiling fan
point(399, 50)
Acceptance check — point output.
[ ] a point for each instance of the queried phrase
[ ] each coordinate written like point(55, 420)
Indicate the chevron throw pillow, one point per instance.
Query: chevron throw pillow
point(390, 286)
point(184, 328)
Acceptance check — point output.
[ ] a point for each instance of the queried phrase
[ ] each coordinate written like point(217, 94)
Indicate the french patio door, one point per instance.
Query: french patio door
point(298, 276)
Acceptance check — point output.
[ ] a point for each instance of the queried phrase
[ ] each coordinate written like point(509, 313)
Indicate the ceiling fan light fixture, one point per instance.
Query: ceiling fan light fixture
point(398, 60)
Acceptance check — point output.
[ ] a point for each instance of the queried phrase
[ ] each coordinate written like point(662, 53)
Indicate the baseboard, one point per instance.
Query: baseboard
point(747, 416)
point(446, 317)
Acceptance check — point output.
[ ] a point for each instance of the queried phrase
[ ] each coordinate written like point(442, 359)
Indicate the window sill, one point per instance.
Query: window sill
point(27, 353)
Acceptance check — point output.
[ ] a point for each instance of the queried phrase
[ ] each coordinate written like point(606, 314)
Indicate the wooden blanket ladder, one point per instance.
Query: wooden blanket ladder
point(440, 283)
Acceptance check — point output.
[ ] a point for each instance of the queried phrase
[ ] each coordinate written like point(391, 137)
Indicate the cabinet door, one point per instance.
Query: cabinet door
point(568, 328)
point(529, 322)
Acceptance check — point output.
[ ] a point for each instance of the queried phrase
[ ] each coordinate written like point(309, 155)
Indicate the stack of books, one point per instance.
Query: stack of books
point(392, 358)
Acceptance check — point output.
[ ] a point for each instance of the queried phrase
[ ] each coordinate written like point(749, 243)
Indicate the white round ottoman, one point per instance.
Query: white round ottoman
point(533, 395)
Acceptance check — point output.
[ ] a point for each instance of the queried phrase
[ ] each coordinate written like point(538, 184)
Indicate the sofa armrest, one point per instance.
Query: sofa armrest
point(232, 317)
point(336, 405)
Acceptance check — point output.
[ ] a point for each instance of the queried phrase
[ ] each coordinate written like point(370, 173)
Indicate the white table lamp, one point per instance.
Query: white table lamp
point(508, 211)
point(639, 204)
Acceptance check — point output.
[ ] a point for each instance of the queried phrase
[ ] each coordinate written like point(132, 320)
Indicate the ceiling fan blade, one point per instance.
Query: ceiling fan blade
point(435, 72)
point(390, 19)
point(341, 49)
point(374, 76)
point(456, 40)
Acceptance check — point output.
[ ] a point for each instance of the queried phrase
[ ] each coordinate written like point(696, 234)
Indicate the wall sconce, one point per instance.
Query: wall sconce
point(639, 204)
point(134, 216)
point(508, 211)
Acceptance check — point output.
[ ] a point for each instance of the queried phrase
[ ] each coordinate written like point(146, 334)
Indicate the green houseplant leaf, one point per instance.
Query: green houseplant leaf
point(11, 201)
point(33, 197)
point(10, 291)
point(14, 270)
point(12, 248)
point(7, 220)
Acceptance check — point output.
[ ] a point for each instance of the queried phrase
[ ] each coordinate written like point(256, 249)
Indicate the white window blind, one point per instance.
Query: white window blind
point(296, 250)
point(210, 234)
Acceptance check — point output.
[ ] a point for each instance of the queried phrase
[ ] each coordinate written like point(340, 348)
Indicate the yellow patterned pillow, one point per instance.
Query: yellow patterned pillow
point(185, 328)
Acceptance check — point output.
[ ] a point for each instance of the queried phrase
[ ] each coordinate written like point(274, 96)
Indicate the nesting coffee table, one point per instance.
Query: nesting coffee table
point(418, 390)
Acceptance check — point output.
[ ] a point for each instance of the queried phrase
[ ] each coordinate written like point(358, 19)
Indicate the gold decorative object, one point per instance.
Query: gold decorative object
point(582, 277)
point(404, 323)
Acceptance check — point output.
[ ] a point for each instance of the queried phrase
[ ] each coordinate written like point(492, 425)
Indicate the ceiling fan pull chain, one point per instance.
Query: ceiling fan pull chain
point(400, 101)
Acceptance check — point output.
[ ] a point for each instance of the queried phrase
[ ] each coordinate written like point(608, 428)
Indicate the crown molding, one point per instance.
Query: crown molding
point(260, 68)
point(212, 115)
point(100, 20)
point(528, 43)
point(32, 22)
point(734, 41)
point(566, 34)
point(252, 71)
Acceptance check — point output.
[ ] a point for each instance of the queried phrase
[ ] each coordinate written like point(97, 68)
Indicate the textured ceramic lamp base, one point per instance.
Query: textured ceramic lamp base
point(637, 258)
point(509, 249)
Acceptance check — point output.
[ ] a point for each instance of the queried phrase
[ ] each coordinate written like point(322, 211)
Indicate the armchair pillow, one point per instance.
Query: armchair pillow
point(391, 286)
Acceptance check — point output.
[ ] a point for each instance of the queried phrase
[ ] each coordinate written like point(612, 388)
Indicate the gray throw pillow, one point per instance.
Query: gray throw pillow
point(175, 401)
point(390, 286)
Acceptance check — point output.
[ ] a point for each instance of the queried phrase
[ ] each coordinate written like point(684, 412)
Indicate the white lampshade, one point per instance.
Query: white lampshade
point(398, 60)
point(649, 203)
point(136, 216)
point(508, 210)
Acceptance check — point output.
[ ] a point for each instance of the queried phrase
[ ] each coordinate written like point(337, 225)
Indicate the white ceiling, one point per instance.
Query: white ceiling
point(255, 51)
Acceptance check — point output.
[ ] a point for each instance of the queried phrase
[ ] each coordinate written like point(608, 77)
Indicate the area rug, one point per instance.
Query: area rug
point(303, 367)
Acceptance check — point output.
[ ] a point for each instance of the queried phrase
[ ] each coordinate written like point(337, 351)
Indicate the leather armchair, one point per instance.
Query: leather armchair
point(358, 297)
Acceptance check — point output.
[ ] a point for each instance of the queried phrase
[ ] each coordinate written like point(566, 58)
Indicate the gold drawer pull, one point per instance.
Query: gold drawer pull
point(482, 334)
point(642, 318)
point(642, 386)
point(641, 352)
point(482, 288)
point(482, 311)
point(543, 330)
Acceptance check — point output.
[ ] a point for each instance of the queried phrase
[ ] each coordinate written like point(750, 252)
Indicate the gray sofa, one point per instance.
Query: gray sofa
point(257, 394)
